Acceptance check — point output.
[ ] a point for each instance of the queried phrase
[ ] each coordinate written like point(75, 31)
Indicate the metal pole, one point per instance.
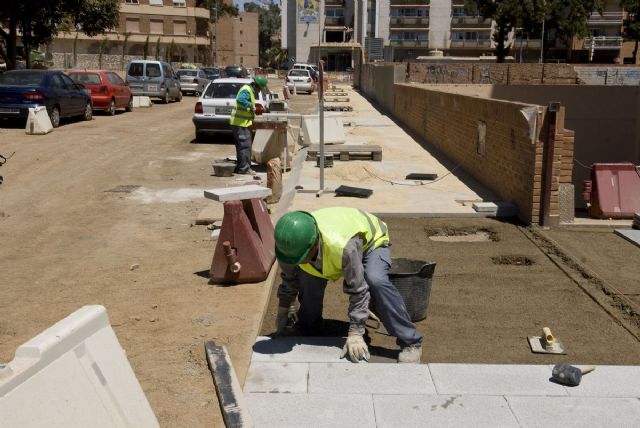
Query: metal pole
point(321, 103)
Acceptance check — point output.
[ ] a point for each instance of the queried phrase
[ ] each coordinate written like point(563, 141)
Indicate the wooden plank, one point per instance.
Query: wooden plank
point(347, 152)
point(347, 147)
point(234, 411)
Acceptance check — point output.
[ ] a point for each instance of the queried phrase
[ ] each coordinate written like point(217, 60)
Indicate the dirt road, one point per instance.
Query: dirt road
point(69, 236)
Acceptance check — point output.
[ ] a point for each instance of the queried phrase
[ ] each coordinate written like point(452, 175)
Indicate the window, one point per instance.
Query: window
point(168, 72)
point(179, 27)
point(458, 12)
point(153, 70)
point(132, 25)
point(240, 31)
point(420, 12)
point(131, 1)
point(334, 13)
point(241, 59)
point(70, 84)
point(223, 90)
point(179, 3)
point(156, 3)
point(409, 35)
point(86, 78)
point(115, 79)
point(240, 44)
point(156, 26)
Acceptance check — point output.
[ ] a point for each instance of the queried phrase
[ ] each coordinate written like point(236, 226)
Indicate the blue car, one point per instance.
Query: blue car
point(24, 89)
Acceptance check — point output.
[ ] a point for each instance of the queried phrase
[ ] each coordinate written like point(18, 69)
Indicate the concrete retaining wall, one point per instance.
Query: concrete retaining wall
point(510, 160)
point(95, 62)
point(377, 81)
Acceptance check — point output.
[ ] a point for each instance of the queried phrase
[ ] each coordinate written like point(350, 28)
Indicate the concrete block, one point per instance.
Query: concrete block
point(494, 379)
point(333, 130)
point(76, 375)
point(268, 144)
point(575, 411)
point(38, 122)
point(311, 410)
point(298, 350)
point(277, 377)
point(237, 193)
point(142, 101)
point(632, 236)
point(566, 199)
point(609, 381)
point(442, 411)
point(482, 207)
point(369, 378)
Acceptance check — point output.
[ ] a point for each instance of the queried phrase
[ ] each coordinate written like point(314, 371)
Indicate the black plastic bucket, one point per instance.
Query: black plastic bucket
point(413, 280)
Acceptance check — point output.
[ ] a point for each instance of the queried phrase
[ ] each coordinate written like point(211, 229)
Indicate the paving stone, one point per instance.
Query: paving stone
point(632, 236)
point(609, 381)
point(442, 411)
point(298, 350)
point(366, 378)
point(277, 377)
point(311, 410)
point(237, 193)
point(485, 207)
point(494, 379)
point(575, 411)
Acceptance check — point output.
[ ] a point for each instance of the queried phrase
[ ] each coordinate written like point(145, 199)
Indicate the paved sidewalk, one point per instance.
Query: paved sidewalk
point(298, 381)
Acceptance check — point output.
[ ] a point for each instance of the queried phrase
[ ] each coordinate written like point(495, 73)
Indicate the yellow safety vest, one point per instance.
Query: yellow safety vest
point(241, 116)
point(337, 226)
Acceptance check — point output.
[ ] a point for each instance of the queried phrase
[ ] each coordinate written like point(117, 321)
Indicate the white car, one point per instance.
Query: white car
point(213, 109)
point(301, 80)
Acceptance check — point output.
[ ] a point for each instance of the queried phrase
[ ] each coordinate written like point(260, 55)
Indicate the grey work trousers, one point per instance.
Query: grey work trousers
point(242, 138)
point(388, 302)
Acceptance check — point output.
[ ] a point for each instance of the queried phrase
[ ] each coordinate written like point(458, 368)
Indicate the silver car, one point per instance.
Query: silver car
point(192, 81)
point(301, 79)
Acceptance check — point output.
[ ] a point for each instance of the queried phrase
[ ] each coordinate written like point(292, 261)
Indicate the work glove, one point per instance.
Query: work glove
point(356, 348)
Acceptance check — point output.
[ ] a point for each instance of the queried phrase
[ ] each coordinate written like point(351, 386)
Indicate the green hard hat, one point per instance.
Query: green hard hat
point(260, 81)
point(296, 233)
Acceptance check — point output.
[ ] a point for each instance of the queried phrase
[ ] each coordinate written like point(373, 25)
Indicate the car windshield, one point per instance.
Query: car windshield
point(299, 73)
point(192, 73)
point(21, 78)
point(86, 78)
point(223, 90)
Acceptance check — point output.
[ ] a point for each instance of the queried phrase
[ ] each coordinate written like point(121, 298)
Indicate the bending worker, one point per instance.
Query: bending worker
point(241, 121)
point(331, 243)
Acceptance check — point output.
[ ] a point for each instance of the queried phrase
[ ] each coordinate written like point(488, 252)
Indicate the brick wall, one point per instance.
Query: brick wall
point(491, 73)
point(510, 165)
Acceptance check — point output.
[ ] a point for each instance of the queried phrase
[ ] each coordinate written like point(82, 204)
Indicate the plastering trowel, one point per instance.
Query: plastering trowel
point(546, 344)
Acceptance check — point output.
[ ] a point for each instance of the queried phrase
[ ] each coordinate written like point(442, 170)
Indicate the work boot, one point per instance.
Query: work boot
point(247, 172)
point(411, 354)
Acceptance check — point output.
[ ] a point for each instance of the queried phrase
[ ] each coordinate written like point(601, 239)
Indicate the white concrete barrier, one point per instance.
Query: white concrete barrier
point(38, 122)
point(73, 375)
point(142, 101)
point(333, 130)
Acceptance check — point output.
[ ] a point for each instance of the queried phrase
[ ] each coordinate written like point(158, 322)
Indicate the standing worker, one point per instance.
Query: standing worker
point(331, 243)
point(241, 121)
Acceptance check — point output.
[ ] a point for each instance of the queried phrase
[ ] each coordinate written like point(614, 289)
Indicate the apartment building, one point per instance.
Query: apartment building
point(236, 41)
point(161, 27)
point(400, 30)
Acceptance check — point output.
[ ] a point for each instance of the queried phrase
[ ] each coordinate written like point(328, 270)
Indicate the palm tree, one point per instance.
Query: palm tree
point(276, 56)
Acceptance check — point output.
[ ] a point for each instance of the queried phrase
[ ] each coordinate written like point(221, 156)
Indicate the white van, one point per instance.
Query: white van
point(312, 68)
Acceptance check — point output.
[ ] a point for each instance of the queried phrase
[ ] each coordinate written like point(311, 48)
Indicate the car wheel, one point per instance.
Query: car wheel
point(179, 97)
point(55, 117)
point(198, 135)
point(129, 107)
point(111, 110)
point(165, 99)
point(88, 112)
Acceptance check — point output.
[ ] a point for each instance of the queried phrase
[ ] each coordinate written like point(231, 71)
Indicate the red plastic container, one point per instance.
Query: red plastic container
point(615, 190)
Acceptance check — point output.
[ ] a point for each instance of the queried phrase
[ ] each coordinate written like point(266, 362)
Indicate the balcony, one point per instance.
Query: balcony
point(409, 43)
point(406, 21)
point(469, 21)
point(607, 18)
point(471, 44)
point(404, 3)
point(602, 43)
point(334, 21)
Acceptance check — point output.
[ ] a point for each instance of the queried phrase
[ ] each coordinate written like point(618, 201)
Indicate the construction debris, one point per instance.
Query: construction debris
point(347, 152)
point(546, 344)
point(355, 192)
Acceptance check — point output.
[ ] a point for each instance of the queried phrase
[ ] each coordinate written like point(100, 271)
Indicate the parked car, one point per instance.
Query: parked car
point(236, 71)
point(301, 79)
point(108, 91)
point(213, 73)
point(155, 79)
point(24, 89)
point(213, 109)
point(193, 81)
point(315, 71)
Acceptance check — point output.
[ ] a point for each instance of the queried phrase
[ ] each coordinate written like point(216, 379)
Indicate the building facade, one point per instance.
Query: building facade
point(400, 30)
point(236, 41)
point(176, 30)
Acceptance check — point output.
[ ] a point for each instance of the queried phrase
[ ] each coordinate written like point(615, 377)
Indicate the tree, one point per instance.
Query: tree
point(632, 23)
point(569, 19)
point(217, 9)
point(268, 25)
point(158, 49)
point(275, 56)
point(145, 48)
